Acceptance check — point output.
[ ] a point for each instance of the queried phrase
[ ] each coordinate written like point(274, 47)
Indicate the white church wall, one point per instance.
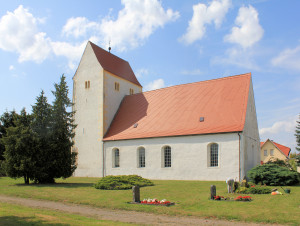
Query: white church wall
point(189, 157)
point(88, 105)
point(113, 98)
point(251, 141)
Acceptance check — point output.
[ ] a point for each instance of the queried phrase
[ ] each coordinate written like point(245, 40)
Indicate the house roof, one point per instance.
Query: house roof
point(176, 110)
point(114, 64)
point(285, 150)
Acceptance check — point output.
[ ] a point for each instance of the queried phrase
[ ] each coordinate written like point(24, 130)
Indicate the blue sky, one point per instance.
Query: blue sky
point(166, 43)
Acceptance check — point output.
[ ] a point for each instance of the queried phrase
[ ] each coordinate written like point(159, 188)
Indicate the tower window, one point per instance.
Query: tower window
point(117, 86)
point(131, 91)
point(87, 84)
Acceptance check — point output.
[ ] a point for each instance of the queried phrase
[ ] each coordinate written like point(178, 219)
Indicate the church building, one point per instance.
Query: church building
point(198, 131)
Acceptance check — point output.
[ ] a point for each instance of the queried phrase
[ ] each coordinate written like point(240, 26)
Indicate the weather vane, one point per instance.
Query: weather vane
point(109, 48)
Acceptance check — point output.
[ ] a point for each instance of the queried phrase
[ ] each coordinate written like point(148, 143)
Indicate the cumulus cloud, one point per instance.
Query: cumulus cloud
point(133, 25)
point(203, 15)
point(280, 126)
point(11, 67)
point(248, 30)
point(19, 33)
point(288, 58)
point(79, 26)
point(156, 84)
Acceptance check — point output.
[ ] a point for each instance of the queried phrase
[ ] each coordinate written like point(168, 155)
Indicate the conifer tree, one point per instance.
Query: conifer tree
point(20, 148)
point(6, 120)
point(41, 126)
point(62, 132)
point(297, 134)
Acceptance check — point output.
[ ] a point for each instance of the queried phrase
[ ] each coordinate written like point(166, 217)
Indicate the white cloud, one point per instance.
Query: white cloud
point(79, 26)
point(203, 15)
point(19, 33)
point(11, 67)
point(280, 126)
point(134, 24)
point(191, 72)
point(248, 30)
point(141, 72)
point(288, 58)
point(156, 84)
point(71, 52)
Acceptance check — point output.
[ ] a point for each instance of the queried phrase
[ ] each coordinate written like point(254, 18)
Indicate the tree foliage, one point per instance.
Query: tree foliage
point(62, 130)
point(38, 146)
point(20, 148)
point(272, 174)
point(6, 121)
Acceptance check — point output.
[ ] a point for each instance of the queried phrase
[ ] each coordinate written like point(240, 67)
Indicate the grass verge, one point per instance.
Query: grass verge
point(191, 198)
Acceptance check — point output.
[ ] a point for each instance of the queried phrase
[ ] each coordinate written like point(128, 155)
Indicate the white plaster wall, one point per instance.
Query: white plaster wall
point(113, 98)
point(88, 105)
point(189, 157)
point(251, 141)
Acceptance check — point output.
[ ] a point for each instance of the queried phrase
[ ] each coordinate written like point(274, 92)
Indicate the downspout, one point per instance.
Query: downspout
point(239, 156)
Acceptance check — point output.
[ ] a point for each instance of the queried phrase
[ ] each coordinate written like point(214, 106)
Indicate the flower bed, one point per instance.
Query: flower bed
point(163, 202)
point(239, 198)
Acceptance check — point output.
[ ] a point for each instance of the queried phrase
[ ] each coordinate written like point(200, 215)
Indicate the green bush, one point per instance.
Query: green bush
point(272, 174)
point(122, 182)
point(254, 190)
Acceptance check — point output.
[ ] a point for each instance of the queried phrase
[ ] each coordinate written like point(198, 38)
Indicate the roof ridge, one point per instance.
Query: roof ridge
point(205, 81)
point(108, 51)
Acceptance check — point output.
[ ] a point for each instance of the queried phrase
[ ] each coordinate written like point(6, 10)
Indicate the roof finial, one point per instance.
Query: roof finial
point(109, 48)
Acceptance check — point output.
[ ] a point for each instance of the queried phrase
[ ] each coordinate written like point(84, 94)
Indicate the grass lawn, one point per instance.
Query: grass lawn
point(191, 199)
point(20, 215)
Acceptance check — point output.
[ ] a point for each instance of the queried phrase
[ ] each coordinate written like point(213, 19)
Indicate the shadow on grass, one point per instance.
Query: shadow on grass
point(13, 220)
point(58, 185)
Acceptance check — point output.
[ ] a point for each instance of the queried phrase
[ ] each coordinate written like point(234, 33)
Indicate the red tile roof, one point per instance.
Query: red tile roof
point(176, 110)
point(285, 150)
point(114, 64)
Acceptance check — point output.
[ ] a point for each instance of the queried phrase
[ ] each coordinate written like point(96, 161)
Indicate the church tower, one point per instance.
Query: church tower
point(100, 83)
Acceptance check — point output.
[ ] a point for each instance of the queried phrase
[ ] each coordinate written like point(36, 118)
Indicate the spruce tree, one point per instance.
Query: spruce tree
point(62, 132)
point(297, 134)
point(20, 148)
point(41, 125)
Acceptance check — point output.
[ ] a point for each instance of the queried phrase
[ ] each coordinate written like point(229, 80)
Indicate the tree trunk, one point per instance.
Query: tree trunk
point(26, 179)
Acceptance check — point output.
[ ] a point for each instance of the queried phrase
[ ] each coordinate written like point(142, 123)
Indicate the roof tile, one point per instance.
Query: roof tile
point(176, 110)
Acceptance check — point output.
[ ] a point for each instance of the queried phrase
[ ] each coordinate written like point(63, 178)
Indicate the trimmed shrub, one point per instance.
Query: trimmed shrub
point(255, 190)
point(122, 182)
point(274, 175)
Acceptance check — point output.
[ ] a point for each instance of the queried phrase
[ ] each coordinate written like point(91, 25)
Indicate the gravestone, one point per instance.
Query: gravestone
point(213, 192)
point(136, 194)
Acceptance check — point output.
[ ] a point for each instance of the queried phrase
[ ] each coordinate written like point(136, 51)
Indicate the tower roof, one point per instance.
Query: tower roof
point(114, 64)
point(213, 106)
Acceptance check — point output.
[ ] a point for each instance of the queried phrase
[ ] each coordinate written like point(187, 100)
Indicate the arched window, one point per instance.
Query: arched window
point(167, 156)
point(116, 158)
point(214, 155)
point(141, 157)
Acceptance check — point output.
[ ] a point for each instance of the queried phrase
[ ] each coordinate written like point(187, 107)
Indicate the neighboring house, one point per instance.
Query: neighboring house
point(198, 131)
point(271, 150)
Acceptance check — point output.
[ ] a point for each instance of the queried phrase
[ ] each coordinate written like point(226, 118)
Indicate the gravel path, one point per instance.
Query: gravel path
point(120, 215)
